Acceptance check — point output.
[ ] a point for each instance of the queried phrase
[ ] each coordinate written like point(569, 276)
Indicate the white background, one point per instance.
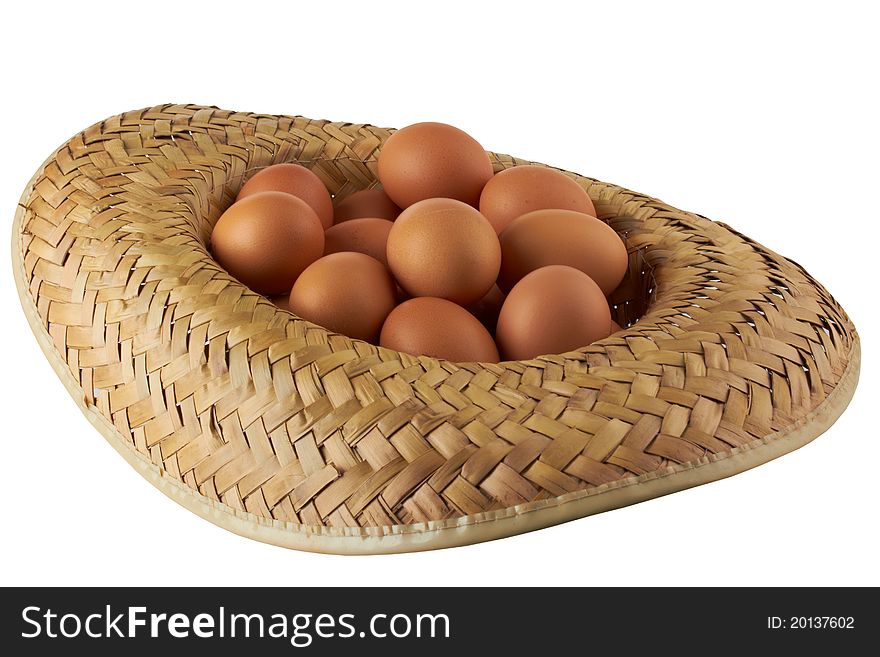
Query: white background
point(764, 115)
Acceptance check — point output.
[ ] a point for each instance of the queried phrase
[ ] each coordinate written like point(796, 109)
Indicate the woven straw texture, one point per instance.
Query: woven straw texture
point(276, 422)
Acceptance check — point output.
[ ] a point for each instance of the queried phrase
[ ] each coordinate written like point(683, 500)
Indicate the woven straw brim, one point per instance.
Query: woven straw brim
point(278, 430)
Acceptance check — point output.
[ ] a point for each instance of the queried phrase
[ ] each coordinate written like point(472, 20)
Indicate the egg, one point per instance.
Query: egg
point(365, 203)
point(562, 237)
point(436, 327)
point(486, 309)
point(518, 190)
point(433, 160)
point(367, 236)
point(444, 248)
point(293, 179)
point(349, 293)
point(615, 327)
point(552, 310)
point(265, 240)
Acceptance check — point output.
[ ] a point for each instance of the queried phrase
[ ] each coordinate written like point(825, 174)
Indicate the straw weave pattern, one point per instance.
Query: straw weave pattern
point(265, 413)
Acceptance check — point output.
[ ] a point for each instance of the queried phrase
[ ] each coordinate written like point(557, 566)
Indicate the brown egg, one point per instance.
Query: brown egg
point(349, 293)
point(444, 248)
point(615, 327)
point(552, 310)
point(293, 179)
point(562, 237)
point(486, 309)
point(365, 203)
point(267, 239)
point(433, 160)
point(516, 191)
point(427, 326)
point(362, 235)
